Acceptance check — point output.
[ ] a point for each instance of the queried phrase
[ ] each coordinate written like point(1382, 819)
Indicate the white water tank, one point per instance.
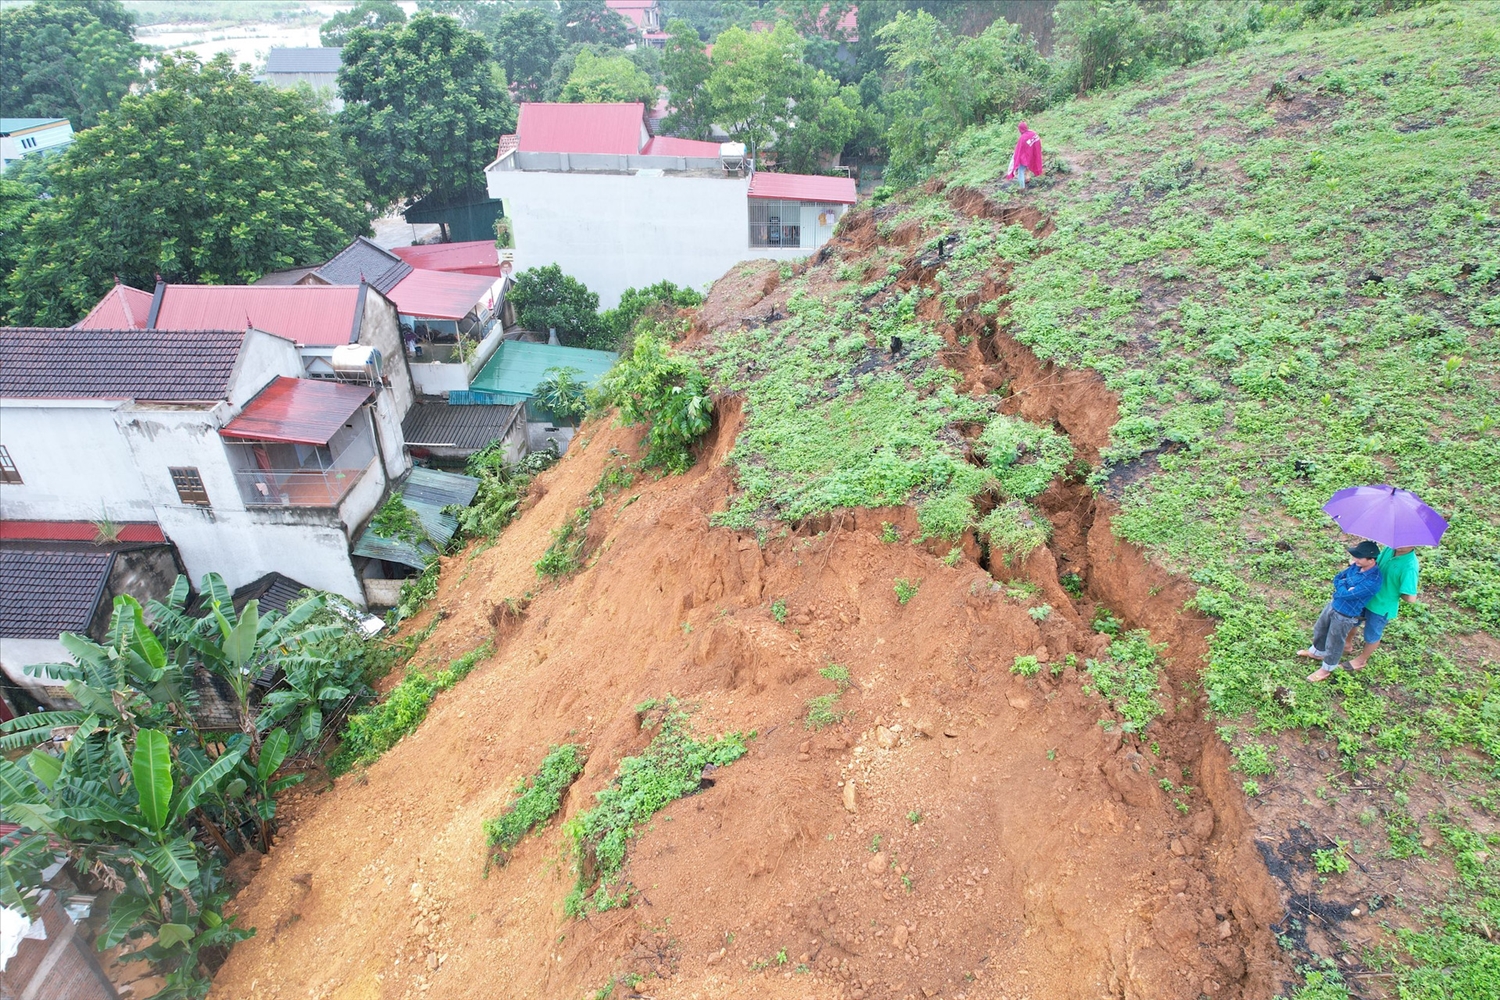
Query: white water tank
point(356, 361)
point(731, 156)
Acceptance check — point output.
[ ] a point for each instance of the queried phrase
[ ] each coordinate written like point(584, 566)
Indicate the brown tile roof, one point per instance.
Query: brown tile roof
point(45, 590)
point(156, 365)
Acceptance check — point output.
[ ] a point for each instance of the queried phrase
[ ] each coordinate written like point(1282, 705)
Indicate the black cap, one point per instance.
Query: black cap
point(1364, 550)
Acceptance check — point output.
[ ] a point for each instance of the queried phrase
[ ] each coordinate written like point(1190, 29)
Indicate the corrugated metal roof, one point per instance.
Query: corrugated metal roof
point(315, 315)
point(426, 492)
point(440, 424)
point(470, 257)
point(12, 125)
point(122, 308)
point(298, 411)
point(76, 531)
point(308, 60)
point(45, 591)
point(365, 260)
point(581, 128)
point(517, 366)
point(442, 295)
point(803, 187)
point(155, 365)
point(670, 145)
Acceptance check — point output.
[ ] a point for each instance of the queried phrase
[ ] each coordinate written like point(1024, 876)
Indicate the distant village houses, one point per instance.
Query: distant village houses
point(20, 137)
point(316, 67)
point(589, 188)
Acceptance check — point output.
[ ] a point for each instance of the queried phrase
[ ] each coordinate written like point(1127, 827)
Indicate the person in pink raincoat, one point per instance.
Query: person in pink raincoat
point(1028, 156)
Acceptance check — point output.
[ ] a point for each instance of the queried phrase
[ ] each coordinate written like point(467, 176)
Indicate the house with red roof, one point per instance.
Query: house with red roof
point(645, 18)
point(589, 188)
point(210, 438)
point(339, 331)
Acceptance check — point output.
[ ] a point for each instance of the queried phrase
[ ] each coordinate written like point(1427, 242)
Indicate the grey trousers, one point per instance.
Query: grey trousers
point(1329, 634)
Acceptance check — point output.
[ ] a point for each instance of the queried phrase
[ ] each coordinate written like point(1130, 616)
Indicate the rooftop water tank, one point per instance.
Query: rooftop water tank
point(731, 156)
point(356, 361)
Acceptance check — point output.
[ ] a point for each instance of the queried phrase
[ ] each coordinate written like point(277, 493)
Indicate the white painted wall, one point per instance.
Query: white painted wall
point(16, 654)
point(614, 231)
point(439, 379)
point(74, 466)
point(306, 544)
point(381, 329)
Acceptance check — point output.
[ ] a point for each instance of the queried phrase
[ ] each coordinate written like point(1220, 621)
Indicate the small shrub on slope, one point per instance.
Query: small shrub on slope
point(670, 767)
point(537, 798)
point(666, 390)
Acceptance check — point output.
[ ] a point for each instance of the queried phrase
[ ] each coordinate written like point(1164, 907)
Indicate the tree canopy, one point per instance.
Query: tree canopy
point(424, 105)
point(208, 177)
point(545, 298)
point(686, 64)
point(607, 80)
point(67, 59)
point(373, 14)
point(526, 44)
point(590, 21)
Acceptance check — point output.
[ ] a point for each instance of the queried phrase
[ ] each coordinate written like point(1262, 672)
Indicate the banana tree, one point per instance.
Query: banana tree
point(124, 681)
point(239, 647)
point(125, 820)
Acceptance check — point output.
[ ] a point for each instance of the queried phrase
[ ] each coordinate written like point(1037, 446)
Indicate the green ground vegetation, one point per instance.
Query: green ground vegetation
point(821, 709)
point(1283, 263)
point(1126, 677)
point(671, 766)
point(374, 731)
point(537, 798)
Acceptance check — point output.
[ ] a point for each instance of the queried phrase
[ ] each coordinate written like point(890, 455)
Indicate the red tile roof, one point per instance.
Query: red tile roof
point(76, 531)
point(122, 308)
point(313, 315)
point(668, 145)
point(803, 187)
point(176, 366)
point(581, 128)
point(470, 257)
point(632, 10)
point(298, 411)
point(441, 294)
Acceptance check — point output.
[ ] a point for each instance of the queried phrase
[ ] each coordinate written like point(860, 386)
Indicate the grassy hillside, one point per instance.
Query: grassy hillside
point(1286, 264)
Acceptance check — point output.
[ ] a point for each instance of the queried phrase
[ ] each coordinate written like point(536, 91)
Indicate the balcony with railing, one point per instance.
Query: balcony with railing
point(301, 443)
point(283, 475)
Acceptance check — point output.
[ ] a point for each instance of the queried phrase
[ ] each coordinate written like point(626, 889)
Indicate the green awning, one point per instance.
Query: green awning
point(426, 492)
point(518, 366)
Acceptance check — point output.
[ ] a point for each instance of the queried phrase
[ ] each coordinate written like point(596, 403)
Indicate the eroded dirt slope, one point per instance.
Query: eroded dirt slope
point(1046, 862)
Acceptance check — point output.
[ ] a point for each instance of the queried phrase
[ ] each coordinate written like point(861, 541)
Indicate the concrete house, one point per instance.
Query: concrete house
point(645, 18)
point(28, 136)
point(316, 67)
point(339, 332)
point(587, 187)
point(216, 437)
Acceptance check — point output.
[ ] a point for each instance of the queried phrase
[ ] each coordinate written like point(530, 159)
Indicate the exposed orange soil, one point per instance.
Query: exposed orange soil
point(1002, 843)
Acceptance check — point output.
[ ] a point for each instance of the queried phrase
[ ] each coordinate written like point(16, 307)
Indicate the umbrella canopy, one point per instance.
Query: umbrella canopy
point(1387, 515)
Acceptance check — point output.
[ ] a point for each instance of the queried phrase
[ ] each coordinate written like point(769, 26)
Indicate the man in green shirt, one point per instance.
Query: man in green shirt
point(1398, 569)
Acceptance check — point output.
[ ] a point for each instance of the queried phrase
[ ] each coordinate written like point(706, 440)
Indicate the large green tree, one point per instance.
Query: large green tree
point(526, 44)
point(66, 59)
point(208, 177)
point(763, 93)
point(607, 80)
point(687, 66)
point(424, 105)
point(590, 21)
point(373, 14)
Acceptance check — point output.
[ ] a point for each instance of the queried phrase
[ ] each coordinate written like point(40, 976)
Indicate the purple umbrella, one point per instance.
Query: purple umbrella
point(1387, 515)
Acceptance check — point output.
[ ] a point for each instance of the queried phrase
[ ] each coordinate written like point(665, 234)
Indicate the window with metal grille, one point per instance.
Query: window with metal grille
point(189, 486)
point(8, 471)
point(775, 223)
